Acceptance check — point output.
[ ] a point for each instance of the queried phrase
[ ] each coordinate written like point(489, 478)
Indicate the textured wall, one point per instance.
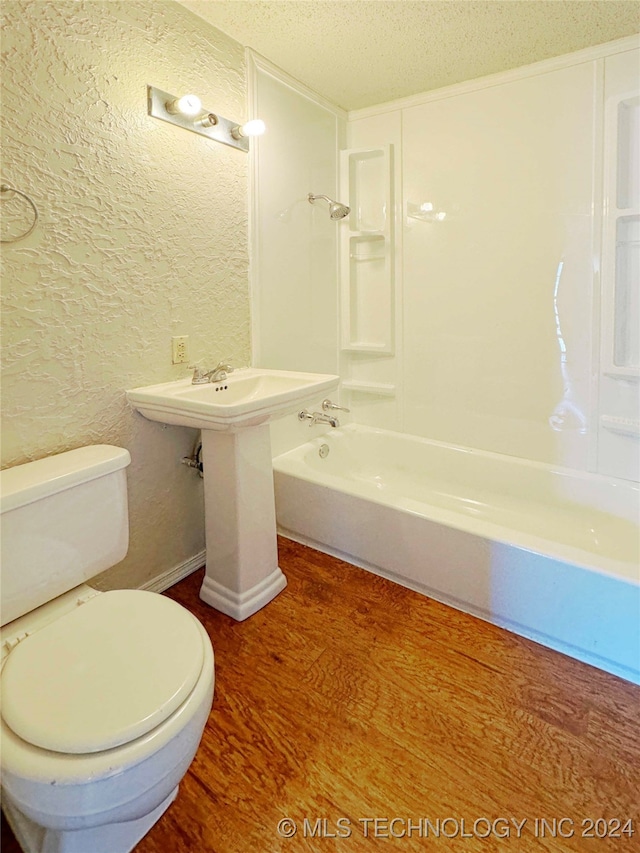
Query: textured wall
point(142, 235)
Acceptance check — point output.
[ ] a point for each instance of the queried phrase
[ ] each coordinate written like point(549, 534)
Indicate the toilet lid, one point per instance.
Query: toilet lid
point(103, 674)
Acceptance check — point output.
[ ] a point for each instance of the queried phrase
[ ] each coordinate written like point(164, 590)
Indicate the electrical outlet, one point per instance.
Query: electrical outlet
point(180, 349)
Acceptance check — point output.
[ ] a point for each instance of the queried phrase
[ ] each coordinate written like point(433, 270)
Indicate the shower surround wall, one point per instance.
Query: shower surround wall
point(142, 235)
point(498, 199)
point(472, 306)
point(294, 260)
point(294, 243)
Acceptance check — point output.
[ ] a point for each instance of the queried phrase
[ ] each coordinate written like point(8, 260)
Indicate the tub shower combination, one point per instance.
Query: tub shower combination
point(548, 553)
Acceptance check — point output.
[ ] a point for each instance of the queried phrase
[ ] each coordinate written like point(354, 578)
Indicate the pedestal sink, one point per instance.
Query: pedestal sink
point(242, 573)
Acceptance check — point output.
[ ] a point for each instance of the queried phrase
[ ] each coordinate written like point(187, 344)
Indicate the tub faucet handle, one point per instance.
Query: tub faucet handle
point(328, 406)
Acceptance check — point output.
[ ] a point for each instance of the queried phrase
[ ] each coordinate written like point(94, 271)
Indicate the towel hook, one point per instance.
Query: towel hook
point(7, 188)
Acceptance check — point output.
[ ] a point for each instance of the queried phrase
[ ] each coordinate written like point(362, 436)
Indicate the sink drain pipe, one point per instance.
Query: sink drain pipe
point(195, 460)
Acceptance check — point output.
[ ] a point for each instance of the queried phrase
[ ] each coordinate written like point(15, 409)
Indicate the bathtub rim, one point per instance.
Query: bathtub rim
point(550, 467)
point(291, 463)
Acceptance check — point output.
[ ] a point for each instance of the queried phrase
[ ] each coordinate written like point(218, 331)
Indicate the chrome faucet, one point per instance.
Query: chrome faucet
point(318, 418)
point(218, 374)
point(328, 406)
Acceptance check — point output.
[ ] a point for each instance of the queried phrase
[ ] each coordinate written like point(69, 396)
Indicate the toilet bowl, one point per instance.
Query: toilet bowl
point(104, 695)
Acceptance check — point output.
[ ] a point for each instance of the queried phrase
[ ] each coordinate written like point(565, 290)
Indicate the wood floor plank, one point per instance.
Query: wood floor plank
point(350, 698)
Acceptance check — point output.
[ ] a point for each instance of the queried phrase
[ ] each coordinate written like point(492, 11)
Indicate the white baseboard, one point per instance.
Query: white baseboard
point(177, 573)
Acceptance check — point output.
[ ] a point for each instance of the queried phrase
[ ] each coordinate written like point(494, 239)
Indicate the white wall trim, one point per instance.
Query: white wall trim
point(177, 573)
point(260, 63)
point(593, 410)
point(253, 108)
point(588, 54)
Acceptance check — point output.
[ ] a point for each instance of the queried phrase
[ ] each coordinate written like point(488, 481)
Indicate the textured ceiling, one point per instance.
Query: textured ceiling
point(362, 52)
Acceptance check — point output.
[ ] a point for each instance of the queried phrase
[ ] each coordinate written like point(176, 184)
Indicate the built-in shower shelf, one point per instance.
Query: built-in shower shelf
point(366, 235)
point(623, 426)
point(364, 346)
point(381, 389)
point(366, 251)
point(624, 374)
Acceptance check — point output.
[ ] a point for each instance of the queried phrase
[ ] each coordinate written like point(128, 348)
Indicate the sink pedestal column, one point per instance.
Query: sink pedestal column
point(242, 572)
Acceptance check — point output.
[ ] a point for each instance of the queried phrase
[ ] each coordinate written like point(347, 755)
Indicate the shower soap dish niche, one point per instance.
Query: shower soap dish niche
point(370, 248)
point(624, 426)
point(366, 251)
point(367, 173)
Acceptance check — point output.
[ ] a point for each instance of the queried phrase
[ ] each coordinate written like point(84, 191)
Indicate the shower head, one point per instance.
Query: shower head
point(336, 210)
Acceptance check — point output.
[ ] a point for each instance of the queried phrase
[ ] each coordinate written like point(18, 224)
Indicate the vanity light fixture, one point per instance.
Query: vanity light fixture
point(187, 112)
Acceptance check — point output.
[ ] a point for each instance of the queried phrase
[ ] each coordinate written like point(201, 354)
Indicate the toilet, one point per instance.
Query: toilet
point(105, 695)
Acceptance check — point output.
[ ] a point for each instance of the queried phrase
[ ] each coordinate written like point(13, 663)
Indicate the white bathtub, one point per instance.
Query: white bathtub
point(549, 553)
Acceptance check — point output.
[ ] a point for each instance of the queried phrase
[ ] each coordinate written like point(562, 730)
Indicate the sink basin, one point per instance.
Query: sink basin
point(247, 397)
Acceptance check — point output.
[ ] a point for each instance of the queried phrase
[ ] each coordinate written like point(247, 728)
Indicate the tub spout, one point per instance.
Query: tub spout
point(318, 418)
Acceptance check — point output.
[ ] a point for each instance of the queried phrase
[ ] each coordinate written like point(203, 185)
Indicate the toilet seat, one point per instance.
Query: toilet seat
point(98, 790)
point(103, 675)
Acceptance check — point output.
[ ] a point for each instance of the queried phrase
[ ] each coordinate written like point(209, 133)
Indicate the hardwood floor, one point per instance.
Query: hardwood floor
point(350, 698)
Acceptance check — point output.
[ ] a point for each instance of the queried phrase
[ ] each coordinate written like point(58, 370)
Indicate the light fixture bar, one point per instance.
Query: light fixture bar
point(222, 130)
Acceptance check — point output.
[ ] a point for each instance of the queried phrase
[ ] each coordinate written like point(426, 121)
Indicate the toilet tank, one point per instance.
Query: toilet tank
point(63, 520)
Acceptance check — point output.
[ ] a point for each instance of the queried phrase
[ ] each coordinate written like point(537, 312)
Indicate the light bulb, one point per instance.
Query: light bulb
point(187, 105)
point(255, 127)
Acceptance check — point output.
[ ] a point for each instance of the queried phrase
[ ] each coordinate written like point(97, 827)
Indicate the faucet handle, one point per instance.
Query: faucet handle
point(199, 375)
point(328, 406)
